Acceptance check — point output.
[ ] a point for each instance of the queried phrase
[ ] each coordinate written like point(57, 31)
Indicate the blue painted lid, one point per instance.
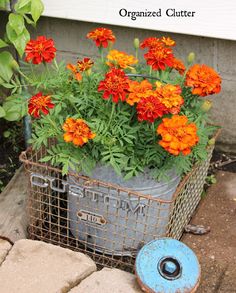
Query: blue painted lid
point(167, 266)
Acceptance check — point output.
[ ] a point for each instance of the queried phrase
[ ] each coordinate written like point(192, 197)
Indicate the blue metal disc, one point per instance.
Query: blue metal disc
point(167, 266)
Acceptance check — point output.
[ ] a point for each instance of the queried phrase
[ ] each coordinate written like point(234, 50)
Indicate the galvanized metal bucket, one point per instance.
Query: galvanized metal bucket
point(115, 223)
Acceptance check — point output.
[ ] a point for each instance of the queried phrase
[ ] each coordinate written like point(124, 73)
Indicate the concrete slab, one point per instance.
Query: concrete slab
point(13, 220)
point(107, 281)
point(5, 246)
point(38, 267)
point(217, 250)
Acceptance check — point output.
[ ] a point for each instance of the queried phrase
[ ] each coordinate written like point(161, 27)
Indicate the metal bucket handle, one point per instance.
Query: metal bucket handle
point(144, 76)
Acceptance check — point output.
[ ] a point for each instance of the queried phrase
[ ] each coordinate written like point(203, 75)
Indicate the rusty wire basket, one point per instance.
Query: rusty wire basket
point(108, 227)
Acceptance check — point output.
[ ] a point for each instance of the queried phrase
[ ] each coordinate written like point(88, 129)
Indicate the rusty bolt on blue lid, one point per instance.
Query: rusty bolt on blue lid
point(167, 266)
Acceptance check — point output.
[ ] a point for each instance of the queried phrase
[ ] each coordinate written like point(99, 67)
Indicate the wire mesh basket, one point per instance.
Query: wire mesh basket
point(106, 221)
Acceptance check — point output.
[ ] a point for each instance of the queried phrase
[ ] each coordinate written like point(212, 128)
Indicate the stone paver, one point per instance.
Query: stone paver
point(5, 246)
point(108, 281)
point(38, 267)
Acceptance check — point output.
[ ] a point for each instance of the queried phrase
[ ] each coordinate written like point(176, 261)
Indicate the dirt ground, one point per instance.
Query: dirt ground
point(216, 250)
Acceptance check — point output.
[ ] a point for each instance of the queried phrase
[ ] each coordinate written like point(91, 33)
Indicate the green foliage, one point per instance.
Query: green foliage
point(17, 35)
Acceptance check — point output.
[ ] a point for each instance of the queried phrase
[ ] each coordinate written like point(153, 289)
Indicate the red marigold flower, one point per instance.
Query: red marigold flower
point(39, 103)
point(159, 58)
point(204, 80)
point(178, 135)
point(150, 109)
point(101, 36)
point(115, 84)
point(151, 43)
point(85, 64)
point(40, 50)
point(179, 66)
point(77, 131)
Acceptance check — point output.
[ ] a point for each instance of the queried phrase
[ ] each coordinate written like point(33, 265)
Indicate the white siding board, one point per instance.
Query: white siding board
point(213, 18)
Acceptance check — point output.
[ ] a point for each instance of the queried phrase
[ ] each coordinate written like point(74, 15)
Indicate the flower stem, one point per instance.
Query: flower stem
point(111, 116)
point(55, 63)
point(150, 70)
point(101, 53)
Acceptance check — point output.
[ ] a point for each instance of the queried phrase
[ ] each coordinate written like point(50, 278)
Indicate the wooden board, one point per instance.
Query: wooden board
point(13, 220)
point(212, 18)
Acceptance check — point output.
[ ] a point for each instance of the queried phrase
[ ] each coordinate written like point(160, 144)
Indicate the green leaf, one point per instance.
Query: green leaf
point(12, 116)
point(17, 22)
point(6, 133)
point(19, 41)
point(6, 60)
point(23, 6)
point(3, 44)
point(3, 3)
point(36, 9)
point(2, 112)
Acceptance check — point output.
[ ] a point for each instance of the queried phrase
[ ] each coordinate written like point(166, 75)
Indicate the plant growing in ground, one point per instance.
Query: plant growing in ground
point(23, 13)
point(120, 112)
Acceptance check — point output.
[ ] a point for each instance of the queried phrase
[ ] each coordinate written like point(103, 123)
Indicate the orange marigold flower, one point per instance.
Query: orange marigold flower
point(203, 80)
point(150, 109)
point(137, 90)
point(77, 131)
point(39, 103)
point(178, 135)
point(115, 84)
point(168, 41)
point(159, 58)
point(179, 66)
point(73, 68)
point(40, 50)
point(151, 43)
point(169, 95)
point(120, 59)
point(85, 64)
point(101, 36)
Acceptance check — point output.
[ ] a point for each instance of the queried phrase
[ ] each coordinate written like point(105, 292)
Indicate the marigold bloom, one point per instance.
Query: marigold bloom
point(138, 90)
point(159, 58)
point(101, 36)
point(115, 84)
point(40, 50)
point(120, 59)
point(168, 41)
point(77, 131)
point(85, 64)
point(39, 103)
point(169, 95)
point(178, 136)
point(203, 80)
point(151, 43)
point(73, 68)
point(150, 109)
point(179, 66)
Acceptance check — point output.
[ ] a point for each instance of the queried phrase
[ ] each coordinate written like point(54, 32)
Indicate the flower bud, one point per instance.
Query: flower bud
point(211, 141)
point(191, 57)
point(136, 43)
point(206, 105)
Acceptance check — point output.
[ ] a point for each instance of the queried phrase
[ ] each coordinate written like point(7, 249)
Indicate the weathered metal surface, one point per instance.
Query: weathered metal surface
point(117, 211)
point(167, 266)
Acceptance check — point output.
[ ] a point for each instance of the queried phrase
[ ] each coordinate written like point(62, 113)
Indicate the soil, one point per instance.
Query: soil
point(10, 148)
point(216, 250)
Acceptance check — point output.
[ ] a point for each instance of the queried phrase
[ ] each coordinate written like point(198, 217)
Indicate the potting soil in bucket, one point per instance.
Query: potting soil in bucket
point(115, 222)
